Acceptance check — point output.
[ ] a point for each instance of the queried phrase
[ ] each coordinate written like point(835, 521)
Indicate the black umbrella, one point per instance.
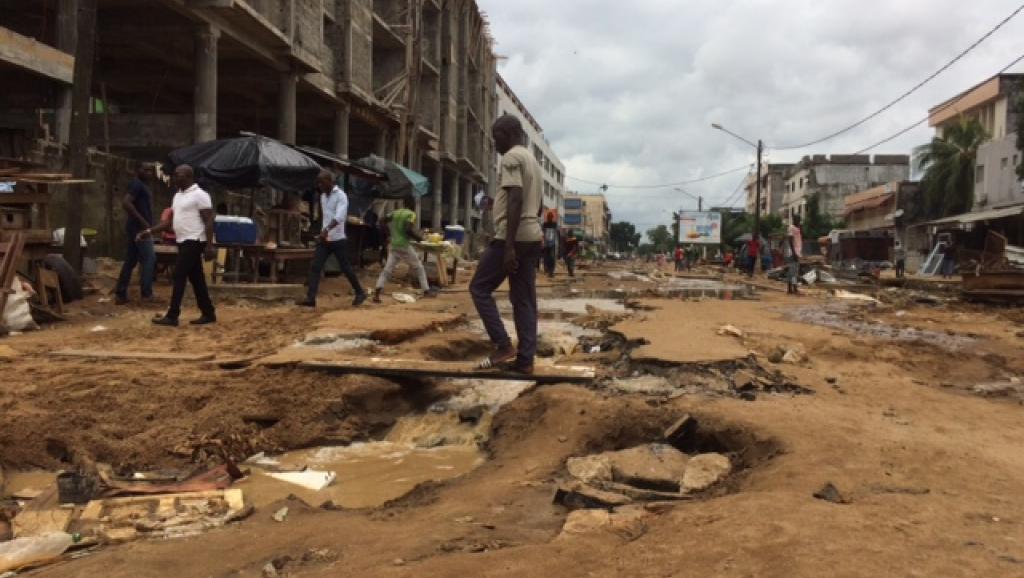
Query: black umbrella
point(249, 161)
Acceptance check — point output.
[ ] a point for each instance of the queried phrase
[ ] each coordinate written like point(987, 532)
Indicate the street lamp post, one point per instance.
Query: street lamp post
point(760, 150)
point(698, 198)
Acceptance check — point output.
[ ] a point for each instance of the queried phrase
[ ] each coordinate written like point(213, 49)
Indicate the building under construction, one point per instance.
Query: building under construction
point(410, 80)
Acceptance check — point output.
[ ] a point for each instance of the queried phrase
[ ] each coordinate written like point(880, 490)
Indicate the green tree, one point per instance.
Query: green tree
point(624, 237)
point(948, 164)
point(661, 238)
point(818, 224)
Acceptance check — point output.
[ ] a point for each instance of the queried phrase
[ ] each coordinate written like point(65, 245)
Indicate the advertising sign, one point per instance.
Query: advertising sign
point(702, 228)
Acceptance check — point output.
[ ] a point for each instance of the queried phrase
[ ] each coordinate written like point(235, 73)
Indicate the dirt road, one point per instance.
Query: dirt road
point(881, 401)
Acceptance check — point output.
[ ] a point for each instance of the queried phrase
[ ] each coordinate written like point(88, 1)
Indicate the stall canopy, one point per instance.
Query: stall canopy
point(248, 161)
point(402, 181)
point(346, 166)
point(990, 215)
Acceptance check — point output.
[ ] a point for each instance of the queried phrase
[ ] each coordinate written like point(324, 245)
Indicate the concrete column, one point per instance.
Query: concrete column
point(467, 201)
point(381, 146)
point(341, 129)
point(437, 197)
point(205, 103)
point(67, 37)
point(286, 107)
point(453, 204)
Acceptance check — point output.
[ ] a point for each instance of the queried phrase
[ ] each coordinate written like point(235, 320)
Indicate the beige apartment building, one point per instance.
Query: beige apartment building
point(554, 170)
point(590, 214)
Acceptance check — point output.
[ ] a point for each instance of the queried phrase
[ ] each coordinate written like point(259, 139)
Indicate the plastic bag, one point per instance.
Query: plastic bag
point(17, 313)
point(21, 552)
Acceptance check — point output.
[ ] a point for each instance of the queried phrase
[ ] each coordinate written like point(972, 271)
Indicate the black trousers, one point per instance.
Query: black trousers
point(320, 255)
point(189, 268)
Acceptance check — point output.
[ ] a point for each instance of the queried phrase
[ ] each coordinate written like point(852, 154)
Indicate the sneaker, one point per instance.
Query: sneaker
point(376, 297)
point(432, 292)
point(359, 300)
point(121, 300)
point(168, 321)
point(204, 320)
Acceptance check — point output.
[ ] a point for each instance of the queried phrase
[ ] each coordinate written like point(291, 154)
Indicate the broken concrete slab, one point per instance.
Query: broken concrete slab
point(590, 468)
point(653, 467)
point(665, 339)
point(627, 523)
point(577, 495)
point(704, 471)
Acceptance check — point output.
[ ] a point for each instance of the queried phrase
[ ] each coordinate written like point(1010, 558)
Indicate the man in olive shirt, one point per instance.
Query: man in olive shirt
point(402, 227)
point(515, 251)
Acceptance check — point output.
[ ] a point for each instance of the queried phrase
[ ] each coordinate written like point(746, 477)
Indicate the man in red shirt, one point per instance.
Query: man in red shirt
point(753, 252)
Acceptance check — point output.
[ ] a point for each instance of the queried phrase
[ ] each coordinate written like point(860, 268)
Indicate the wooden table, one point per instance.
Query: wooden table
point(438, 251)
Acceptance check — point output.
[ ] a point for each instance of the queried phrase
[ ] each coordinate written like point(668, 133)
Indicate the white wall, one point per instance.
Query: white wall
point(998, 185)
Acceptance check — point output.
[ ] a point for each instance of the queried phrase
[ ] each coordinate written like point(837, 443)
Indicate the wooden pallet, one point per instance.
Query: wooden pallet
point(418, 368)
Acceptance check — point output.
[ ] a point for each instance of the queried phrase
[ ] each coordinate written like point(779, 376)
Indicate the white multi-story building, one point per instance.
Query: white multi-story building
point(554, 170)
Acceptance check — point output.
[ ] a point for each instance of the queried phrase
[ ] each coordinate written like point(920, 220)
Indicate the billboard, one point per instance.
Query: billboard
point(703, 228)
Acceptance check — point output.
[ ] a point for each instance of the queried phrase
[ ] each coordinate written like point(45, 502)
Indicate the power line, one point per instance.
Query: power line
point(664, 185)
point(949, 104)
point(736, 194)
point(914, 89)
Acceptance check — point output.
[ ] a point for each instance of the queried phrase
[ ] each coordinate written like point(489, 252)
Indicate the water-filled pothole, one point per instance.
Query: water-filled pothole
point(744, 379)
point(839, 317)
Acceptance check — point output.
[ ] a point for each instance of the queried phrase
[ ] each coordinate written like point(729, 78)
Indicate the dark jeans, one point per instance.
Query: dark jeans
point(570, 265)
point(901, 268)
point(189, 268)
point(320, 256)
point(490, 273)
point(549, 260)
point(141, 253)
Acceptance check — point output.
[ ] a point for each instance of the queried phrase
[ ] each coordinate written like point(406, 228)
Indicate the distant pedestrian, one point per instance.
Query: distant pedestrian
point(766, 257)
point(192, 220)
point(402, 227)
point(514, 252)
point(550, 229)
point(571, 250)
point(138, 206)
point(753, 254)
point(679, 257)
point(949, 260)
point(901, 261)
point(794, 247)
point(331, 241)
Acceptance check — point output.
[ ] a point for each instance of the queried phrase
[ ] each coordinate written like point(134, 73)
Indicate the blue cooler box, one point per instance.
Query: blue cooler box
point(455, 233)
point(235, 230)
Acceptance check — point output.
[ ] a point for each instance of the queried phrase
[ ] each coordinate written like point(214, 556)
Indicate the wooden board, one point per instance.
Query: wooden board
point(147, 355)
point(160, 516)
point(422, 368)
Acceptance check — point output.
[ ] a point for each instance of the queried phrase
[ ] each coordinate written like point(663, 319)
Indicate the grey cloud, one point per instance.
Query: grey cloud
point(626, 91)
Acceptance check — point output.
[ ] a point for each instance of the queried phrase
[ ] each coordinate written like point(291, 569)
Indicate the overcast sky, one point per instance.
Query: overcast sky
point(626, 91)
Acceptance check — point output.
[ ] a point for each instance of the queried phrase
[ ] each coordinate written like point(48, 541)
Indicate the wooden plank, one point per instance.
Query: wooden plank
point(42, 516)
point(422, 368)
point(32, 55)
point(147, 355)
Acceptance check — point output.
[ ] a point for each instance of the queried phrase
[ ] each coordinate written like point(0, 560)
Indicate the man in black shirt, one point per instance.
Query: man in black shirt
point(138, 207)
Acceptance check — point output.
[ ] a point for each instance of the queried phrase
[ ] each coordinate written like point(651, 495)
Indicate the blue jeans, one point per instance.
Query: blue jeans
point(141, 253)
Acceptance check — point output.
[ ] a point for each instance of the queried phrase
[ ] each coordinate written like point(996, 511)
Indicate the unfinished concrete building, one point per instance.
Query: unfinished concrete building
point(410, 80)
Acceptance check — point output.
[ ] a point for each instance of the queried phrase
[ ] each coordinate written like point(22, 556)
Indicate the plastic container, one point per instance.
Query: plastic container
point(235, 230)
point(21, 552)
point(74, 488)
point(455, 233)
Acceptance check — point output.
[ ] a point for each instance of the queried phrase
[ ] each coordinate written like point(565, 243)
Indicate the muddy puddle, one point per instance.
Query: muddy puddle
point(673, 288)
point(441, 444)
point(838, 317)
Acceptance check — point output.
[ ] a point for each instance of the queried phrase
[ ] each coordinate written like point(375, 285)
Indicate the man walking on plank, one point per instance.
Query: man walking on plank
point(515, 251)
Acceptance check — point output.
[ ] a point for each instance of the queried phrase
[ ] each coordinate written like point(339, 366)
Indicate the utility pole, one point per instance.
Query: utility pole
point(79, 130)
point(757, 198)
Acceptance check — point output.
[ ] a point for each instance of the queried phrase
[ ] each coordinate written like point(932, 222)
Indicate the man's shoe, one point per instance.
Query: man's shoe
point(431, 292)
point(359, 300)
point(376, 297)
point(307, 303)
point(119, 300)
point(204, 320)
point(168, 321)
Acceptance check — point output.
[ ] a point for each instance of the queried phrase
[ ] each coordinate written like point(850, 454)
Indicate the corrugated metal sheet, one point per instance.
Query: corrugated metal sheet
point(989, 215)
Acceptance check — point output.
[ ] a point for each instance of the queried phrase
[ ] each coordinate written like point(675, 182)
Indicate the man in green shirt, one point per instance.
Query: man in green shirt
point(402, 228)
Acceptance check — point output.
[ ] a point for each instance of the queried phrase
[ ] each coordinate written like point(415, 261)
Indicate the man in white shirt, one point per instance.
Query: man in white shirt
point(331, 241)
point(192, 222)
point(794, 249)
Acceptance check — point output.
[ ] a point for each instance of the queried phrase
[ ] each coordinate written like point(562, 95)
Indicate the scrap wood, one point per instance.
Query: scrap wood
point(218, 478)
point(163, 516)
point(43, 515)
point(147, 355)
point(422, 368)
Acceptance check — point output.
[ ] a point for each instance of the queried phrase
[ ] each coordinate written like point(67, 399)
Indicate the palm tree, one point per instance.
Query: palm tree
point(948, 164)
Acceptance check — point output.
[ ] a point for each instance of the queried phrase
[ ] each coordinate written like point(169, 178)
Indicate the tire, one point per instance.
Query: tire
point(70, 282)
